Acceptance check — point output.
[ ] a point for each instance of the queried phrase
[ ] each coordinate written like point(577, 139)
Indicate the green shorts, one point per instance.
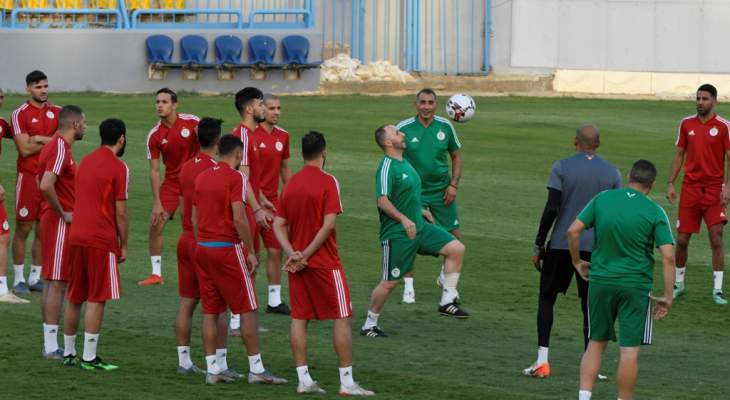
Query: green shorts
point(399, 254)
point(630, 305)
point(445, 216)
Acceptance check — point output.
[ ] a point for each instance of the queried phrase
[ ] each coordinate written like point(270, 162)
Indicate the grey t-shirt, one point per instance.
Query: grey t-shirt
point(579, 178)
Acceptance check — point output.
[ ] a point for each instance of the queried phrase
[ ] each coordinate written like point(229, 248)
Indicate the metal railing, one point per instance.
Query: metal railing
point(63, 14)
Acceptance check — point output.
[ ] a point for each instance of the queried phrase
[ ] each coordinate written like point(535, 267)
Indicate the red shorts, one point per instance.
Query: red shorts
point(54, 247)
point(317, 293)
point(94, 275)
point(170, 196)
point(4, 224)
point(187, 277)
point(27, 197)
point(267, 235)
point(697, 203)
point(254, 228)
point(225, 280)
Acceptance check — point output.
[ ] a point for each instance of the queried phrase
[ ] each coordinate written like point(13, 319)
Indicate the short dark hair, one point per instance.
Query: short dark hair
point(426, 91)
point(245, 95)
point(69, 114)
point(643, 172)
point(173, 95)
point(313, 144)
point(209, 131)
point(709, 89)
point(110, 130)
point(228, 144)
point(380, 136)
point(35, 77)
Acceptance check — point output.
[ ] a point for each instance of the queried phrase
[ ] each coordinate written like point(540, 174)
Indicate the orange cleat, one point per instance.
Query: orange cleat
point(538, 370)
point(151, 280)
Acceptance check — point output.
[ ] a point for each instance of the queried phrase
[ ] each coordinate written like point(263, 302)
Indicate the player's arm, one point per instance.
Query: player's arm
point(574, 232)
point(725, 195)
point(677, 162)
point(48, 189)
point(664, 303)
point(549, 214)
point(285, 171)
point(155, 183)
point(259, 213)
point(328, 226)
point(122, 227)
point(389, 209)
point(28, 145)
point(240, 222)
point(295, 260)
point(456, 162)
point(194, 221)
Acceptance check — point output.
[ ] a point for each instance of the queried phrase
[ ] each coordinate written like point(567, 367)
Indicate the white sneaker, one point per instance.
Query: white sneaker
point(355, 390)
point(10, 298)
point(313, 388)
point(409, 297)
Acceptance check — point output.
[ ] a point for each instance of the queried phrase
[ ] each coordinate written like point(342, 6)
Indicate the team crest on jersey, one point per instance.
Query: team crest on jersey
point(395, 272)
point(6, 225)
point(185, 132)
point(440, 135)
point(714, 131)
point(279, 146)
point(50, 115)
point(23, 212)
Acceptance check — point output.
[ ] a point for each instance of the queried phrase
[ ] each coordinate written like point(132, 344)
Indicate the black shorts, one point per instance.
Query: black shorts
point(558, 271)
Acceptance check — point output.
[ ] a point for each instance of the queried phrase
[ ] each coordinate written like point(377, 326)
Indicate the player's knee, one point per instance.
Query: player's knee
point(682, 241)
point(455, 249)
point(23, 228)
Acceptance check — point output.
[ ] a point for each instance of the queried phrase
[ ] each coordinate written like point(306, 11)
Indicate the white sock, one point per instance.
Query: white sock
point(408, 284)
point(183, 357)
point(18, 274)
point(212, 363)
point(303, 374)
point(156, 262)
point(50, 338)
point(718, 279)
point(235, 322)
point(90, 342)
point(220, 355)
point(542, 355)
point(274, 295)
point(371, 320)
point(256, 364)
point(3, 285)
point(35, 274)
point(448, 294)
point(346, 376)
point(584, 395)
point(442, 277)
point(69, 345)
point(679, 274)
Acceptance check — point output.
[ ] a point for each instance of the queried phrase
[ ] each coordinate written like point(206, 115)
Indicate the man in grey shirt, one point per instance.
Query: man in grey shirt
point(573, 182)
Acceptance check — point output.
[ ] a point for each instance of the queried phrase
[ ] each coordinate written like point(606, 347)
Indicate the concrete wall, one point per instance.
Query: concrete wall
point(116, 61)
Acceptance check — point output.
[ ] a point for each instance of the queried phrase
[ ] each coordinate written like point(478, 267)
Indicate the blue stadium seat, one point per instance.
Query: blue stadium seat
point(228, 50)
point(261, 50)
point(159, 50)
point(296, 50)
point(194, 51)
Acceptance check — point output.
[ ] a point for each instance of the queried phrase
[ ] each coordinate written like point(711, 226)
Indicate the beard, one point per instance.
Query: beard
point(259, 118)
point(120, 153)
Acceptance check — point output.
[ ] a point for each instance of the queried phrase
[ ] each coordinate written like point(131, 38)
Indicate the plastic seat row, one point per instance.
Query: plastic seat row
point(228, 55)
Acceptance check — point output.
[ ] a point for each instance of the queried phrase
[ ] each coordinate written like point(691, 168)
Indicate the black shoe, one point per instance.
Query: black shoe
point(453, 310)
point(282, 309)
point(374, 331)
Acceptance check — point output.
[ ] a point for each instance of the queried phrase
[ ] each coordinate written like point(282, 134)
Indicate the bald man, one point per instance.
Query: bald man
point(573, 182)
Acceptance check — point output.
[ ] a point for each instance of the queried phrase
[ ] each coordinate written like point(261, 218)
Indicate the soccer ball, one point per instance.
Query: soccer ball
point(460, 107)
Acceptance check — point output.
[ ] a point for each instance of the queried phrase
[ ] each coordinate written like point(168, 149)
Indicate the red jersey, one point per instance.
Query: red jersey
point(250, 156)
point(56, 157)
point(215, 190)
point(309, 195)
point(706, 145)
point(177, 144)
point(273, 149)
point(34, 121)
point(189, 171)
point(5, 130)
point(102, 179)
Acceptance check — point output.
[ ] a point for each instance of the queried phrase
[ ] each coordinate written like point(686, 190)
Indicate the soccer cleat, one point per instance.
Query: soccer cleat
point(151, 280)
point(282, 309)
point(313, 388)
point(718, 297)
point(678, 290)
point(70, 360)
point(409, 297)
point(373, 331)
point(193, 370)
point(36, 287)
point(265, 377)
point(453, 310)
point(53, 355)
point(538, 370)
point(232, 373)
point(355, 390)
point(21, 289)
point(10, 298)
point(97, 364)
point(212, 379)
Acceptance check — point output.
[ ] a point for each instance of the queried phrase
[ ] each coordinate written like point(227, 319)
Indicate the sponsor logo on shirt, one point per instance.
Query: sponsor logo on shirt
point(404, 176)
point(164, 141)
point(185, 132)
point(50, 115)
point(691, 133)
point(33, 121)
point(440, 135)
point(263, 146)
point(631, 195)
point(279, 146)
point(197, 160)
point(415, 140)
point(713, 131)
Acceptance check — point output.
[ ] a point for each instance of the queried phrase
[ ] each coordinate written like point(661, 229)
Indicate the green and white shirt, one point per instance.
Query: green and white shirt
point(400, 182)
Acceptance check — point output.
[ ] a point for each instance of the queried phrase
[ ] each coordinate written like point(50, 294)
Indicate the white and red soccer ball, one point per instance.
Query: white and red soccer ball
point(460, 107)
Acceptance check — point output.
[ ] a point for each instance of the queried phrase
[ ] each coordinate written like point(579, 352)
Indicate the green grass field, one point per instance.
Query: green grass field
point(508, 150)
